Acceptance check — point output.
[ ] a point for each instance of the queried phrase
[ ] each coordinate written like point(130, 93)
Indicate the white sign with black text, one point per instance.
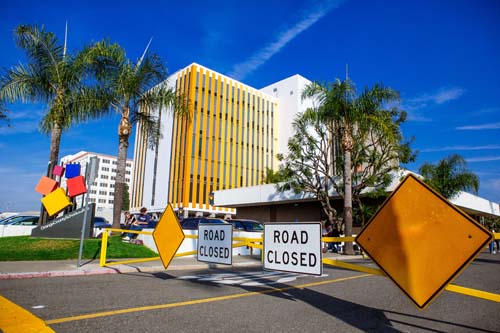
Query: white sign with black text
point(215, 243)
point(293, 247)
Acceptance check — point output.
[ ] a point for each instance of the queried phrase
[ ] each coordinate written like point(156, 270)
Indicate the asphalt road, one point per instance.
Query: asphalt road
point(253, 300)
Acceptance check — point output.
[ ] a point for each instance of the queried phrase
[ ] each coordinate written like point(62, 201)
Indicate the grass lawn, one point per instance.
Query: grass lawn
point(28, 248)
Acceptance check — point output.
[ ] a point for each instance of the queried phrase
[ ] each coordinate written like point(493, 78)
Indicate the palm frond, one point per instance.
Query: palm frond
point(40, 46)
point(24, 83)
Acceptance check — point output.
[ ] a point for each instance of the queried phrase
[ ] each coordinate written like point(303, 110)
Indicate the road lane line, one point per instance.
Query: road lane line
point(17, 319)
point(197, 301)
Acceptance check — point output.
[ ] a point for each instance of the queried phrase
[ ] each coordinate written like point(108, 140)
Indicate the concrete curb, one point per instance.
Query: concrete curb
point(117, 270)
point(131, 268)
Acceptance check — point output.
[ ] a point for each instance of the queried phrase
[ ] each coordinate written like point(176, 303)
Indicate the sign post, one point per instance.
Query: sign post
point(215, 243)
point(91, 175)
point(293, 247)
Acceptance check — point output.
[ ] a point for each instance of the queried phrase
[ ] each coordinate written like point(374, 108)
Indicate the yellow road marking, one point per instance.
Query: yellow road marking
point(450, 287)
point(16, 319)
point(473, 292)
point(353, 267)
point(197, 301)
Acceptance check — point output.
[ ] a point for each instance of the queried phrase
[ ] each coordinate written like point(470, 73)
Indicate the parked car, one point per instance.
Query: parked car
point(101, 223)
point(21, 220)
point(247, 225)
point(191, 223)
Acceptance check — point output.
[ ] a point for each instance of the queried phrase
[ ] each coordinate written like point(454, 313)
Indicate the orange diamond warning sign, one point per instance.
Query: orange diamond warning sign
point(168, 236)
point(421, 241)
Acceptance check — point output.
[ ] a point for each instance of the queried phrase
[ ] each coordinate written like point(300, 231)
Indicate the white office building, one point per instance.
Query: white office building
point(102, 189)
point(231, 138)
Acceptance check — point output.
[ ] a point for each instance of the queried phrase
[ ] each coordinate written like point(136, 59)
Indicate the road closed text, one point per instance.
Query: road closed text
point(293, 247)
point(292, 258)
point(215, 243)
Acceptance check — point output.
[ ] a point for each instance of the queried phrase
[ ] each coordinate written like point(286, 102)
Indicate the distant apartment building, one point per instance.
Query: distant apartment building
point(102, 190)
point(231, 137)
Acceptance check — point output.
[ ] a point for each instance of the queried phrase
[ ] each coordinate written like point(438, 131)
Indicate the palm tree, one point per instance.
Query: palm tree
point(450, 176)
point(345, 112)
point(51, 77)
point(134, 90)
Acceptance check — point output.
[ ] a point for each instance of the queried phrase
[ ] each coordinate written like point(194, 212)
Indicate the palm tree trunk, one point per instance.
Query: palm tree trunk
point(347, 143)
point(55, 142)
point(123, 135)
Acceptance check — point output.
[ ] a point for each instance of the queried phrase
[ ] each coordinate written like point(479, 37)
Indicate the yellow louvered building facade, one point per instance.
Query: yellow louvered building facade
point(228, 141)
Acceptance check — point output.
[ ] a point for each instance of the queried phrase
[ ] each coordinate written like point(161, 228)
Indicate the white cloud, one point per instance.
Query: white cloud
point(485, 111)
point(483, 159)
point(442, 95)
point(495, 184)
point(241, 70)
point(34, 113)
point(479, 127)
point(21, 183)
point(448, 95)
point(451, 148)
point(417, 116)
point(20, 127)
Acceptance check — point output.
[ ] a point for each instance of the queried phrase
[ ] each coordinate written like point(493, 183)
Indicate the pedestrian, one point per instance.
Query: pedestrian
point(142, 221)
point(329, 230)
point(335, 245)
point(492, 244)
point(129, 219)
point(497, 242)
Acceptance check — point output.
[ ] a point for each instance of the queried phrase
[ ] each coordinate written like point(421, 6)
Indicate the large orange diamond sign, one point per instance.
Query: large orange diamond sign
point(421, 241)
point(168, 236)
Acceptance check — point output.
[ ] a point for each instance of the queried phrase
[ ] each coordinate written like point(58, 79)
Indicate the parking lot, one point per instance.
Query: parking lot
point(250, 299)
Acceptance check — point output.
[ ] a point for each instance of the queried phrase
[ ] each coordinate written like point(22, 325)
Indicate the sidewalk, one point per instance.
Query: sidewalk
point(58, 268)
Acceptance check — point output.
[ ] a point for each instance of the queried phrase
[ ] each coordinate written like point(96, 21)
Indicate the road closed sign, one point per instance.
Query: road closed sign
point(215, 243)
point(293, 247)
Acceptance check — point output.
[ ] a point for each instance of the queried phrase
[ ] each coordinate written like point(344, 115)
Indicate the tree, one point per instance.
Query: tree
point(274, 177)
point(450, 176)
point(126, 198)
point(134, 90)
point(307, 166)
point(52, 77)
point(349, 132)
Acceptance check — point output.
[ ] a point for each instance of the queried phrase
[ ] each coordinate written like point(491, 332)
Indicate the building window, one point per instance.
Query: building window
point(105, 161)
point(103, 184)
point(129, 165)
point(104, 177)
point(105, 169)
point(114, 162)
point(112, 185)
point(127, 172)
point(110, 201)
point(103, 192)
point(102, 201)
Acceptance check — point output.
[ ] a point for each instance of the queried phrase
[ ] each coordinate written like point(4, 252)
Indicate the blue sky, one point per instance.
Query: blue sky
point(442, 56)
